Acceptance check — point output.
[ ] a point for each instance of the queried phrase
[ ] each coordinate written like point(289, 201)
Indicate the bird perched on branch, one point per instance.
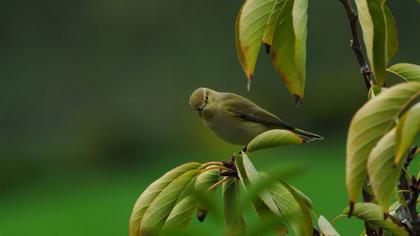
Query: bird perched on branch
point(236, 119)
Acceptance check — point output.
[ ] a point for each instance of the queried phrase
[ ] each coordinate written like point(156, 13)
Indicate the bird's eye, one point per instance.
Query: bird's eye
point(207, 97)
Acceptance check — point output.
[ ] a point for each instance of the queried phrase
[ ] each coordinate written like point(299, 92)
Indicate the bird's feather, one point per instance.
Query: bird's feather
point(246, 110)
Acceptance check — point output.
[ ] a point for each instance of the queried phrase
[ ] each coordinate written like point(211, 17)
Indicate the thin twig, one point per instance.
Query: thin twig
point(356, 45)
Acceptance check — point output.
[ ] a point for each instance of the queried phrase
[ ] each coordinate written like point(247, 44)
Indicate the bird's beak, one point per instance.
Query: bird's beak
point(200, 109)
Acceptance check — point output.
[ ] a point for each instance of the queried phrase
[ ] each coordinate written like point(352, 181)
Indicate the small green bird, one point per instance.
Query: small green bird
point(236, 119)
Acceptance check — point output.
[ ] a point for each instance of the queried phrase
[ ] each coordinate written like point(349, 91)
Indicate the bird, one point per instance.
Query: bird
point(236, 119)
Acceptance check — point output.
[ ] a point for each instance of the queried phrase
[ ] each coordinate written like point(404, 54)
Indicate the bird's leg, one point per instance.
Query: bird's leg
point(232, 172)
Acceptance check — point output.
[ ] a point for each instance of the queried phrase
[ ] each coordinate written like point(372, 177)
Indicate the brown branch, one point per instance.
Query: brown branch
point(369, 230)
point(410, 191)
point(356, 45)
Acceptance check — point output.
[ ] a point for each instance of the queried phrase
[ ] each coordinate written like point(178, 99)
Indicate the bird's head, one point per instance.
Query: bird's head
point(202, 98)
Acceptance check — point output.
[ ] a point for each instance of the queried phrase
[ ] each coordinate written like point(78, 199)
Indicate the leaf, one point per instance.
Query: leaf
point(273, 138)
point(181, 214)
point(372, 214)
point(234, 218)
point(288, 51)
point(250, 25)
point(249, 177)
point(266, 181)
point(294, 210)
point(368, 125)
point(272, 22)
point(407, 71)
point(160, 208)
point(374, 91)
point(203, 182)
point(379, 34)
point(392, 36)
point(326, 228)
point(407, 129)
point(151, 192)
point(264, 205)
point(383, 173)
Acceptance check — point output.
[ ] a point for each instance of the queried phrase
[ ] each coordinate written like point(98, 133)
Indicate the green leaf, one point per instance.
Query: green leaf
point(326, 228)
point(407, 71)
point(372, 214)
point(374, 91)
point(160, 208)
point(249, 177)
point(181, 214)
point(272, 22)
point(288, 51)
point(392, 36)
point(383, 173)
point(295, 211)
point(234, 218)
point(250, 25)
point(379, 34)
point(151, 192)
point(267, 180)
point(407, 129)
point(264, 205)
point(273, 138)
point(368, 125)
point(203, 182)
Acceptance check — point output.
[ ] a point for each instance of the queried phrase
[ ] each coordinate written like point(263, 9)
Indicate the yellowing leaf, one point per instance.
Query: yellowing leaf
point(250, 25)
point(383, 173)
point(368, 125)
point(379, 34)
point(407, 129)
point(151, 192)
point(372, 214)
point(409, 72)
point(288, 51)
point(273, 138)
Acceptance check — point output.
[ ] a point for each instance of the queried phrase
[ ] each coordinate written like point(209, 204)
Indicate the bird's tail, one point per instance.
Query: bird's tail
point(307, 136)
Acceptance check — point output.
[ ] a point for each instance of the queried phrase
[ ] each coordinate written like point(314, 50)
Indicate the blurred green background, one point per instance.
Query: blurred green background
point(94, 105)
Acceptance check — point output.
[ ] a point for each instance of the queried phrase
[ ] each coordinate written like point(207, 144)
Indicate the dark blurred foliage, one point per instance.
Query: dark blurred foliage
point(99, 84)
point(94, 104)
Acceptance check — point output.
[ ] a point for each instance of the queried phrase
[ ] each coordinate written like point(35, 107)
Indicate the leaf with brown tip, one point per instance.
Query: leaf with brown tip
point(288, 51)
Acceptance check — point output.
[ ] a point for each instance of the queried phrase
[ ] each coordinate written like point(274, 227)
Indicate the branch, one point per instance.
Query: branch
point(369, 230)
point(356, 45)
point(410, 192)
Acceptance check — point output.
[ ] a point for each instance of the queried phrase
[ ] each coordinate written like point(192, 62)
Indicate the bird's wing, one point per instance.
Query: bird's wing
point(245, 109)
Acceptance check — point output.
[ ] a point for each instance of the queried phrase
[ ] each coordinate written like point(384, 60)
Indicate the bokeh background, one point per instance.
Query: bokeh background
point(94, 105)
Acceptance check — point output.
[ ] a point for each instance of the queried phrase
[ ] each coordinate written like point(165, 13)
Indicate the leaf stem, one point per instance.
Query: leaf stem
point(217, 183)
point(356, 45)
point(215, 168)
